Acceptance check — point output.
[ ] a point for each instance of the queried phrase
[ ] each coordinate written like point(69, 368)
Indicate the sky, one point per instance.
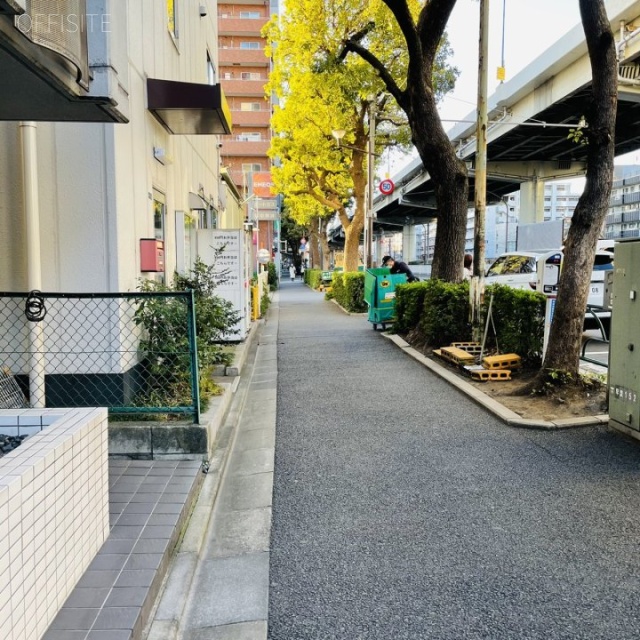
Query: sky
point(530, 28)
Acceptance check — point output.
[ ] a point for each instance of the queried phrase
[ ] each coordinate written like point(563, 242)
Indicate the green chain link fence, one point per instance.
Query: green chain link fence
point(79, 350)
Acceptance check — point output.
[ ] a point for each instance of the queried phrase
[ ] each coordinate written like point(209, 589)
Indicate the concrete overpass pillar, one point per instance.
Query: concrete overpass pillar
point(408, 242)
point(532, 201)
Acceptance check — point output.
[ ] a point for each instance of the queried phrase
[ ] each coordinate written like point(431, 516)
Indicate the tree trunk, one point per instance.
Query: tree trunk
point(352, 233)
point(353, 228)
point(314, 240)
point(563, 349)
point(325, 252)
point(449, 175)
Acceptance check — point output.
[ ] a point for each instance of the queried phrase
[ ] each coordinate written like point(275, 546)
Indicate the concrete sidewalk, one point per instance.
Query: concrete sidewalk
point(218, 584)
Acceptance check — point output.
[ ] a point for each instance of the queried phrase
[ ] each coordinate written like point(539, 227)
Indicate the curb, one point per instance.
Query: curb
point(349, 313)
point(165, 623)
point(499, 410)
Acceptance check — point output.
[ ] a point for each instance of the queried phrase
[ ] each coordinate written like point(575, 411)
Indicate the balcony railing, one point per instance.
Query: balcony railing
point(245, 148)
point(236, 26)
point(629, 198)
point(259, 118)
point(235, 56)
point(239, 87)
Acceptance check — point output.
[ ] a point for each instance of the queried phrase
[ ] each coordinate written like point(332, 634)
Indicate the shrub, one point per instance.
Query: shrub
point(272, 276)
point(313, 277)
point(438, 314)
point(518, 317)
point(264, 303)
point(354, 292)
point(348, 290)
point(337, 286)
point(445, 316)
point(409, 305)
point(165, 335)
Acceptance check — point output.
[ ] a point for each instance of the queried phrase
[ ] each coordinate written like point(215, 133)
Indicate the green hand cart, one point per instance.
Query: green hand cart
point(380, 295)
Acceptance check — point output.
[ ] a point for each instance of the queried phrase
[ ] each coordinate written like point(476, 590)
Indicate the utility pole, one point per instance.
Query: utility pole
point(368, 230)
point(480, 170)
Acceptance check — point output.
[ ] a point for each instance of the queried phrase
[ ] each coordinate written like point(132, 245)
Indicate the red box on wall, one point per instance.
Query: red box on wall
point(151, 254)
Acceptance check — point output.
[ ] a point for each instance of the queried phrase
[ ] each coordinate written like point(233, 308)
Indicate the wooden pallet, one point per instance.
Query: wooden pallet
point(469, 347)
point(505, 361)
point(457, 356)
point(491, 374)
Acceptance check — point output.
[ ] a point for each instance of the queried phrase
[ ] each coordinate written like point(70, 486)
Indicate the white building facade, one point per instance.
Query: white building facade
point(101, 188)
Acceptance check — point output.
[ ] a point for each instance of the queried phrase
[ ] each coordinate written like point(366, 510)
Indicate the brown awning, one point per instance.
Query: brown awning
point(189, 107)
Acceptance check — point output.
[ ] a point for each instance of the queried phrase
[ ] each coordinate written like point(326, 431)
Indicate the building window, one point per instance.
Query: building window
point(251, 15)
point(185, 240)
point(211, 70)
point(159, 211)
point(228, 75)
point(172, 18)
point(249, 45)
point(208, 218)
point(249, 106)
point(247, 168)
point(249, 137)
point(247, 75)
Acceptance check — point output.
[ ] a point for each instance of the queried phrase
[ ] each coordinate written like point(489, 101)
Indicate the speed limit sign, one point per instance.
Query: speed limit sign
point(386, 187)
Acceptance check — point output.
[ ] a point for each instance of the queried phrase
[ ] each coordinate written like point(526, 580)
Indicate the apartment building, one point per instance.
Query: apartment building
point(623, 219)
point(244, 71)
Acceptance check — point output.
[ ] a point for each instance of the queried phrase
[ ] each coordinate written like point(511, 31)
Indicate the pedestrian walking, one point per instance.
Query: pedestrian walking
point(292, 273)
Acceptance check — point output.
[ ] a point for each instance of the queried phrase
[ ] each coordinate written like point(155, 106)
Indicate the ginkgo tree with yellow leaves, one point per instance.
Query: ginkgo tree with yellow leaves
point(319, 93)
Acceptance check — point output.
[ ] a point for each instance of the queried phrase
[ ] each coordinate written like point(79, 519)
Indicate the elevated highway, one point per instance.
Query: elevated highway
point(529, 121)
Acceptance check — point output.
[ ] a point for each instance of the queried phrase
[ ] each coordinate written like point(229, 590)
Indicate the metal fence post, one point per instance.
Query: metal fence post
point(193, 348)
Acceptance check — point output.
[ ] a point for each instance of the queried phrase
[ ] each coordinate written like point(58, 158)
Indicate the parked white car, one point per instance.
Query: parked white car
point(518, 269)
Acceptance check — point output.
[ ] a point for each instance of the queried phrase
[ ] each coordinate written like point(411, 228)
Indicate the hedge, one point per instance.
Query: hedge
point(437, 313)
point(313, 277)
point(348, 290)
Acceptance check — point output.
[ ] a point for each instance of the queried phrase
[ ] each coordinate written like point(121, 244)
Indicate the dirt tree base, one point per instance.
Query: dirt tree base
point(562, 402)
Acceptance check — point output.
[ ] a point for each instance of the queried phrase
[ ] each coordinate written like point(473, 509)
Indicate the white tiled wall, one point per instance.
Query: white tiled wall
point(54, 513)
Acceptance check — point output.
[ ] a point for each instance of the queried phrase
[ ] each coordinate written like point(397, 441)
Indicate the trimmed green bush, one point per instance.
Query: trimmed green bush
point(437, 314)
point(354, 292)
point(313, 277)
point(409, 305)
point(337, 286)
point(518, 316)
point(445, 315)
point(348, 290)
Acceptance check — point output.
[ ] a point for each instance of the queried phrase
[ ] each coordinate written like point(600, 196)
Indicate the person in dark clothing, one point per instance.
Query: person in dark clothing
point(397, 266)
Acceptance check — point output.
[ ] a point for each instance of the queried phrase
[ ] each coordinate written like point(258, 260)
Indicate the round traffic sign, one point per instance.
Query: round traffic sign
point(386, 186)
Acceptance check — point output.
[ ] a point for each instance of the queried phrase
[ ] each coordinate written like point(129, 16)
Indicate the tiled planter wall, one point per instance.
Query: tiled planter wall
point(54, 512)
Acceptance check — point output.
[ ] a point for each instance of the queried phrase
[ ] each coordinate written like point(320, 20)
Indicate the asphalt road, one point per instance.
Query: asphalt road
point(404, 511)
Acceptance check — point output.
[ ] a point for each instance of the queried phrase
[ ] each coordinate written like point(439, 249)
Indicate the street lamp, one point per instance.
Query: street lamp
point(338, 134)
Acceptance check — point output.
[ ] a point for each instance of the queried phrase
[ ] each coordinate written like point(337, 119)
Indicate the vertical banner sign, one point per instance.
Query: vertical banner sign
point(229, 266)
